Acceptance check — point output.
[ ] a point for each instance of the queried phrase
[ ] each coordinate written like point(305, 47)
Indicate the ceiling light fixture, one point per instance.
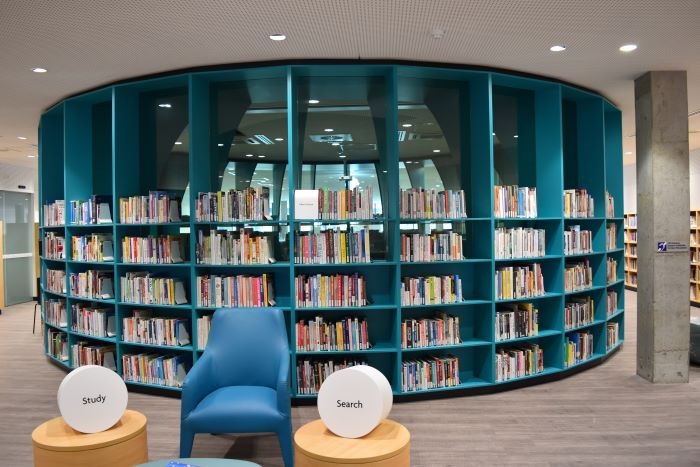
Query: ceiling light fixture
point(278, 37)
point(628, 48)
point(178, 142)
point(261, 157)
point(221, 145)
point(335, 144)
point(249, 155)
point(279, 139)
point(328, 130)
point(221, 176)
point(493, 134)
point(407, 125)
point(313, 101)
point(436, 150)
point(558, 48)
point(22, 137)
point(39, 70)
point(165, 106)
point(515, 136)
point(385, 171)
point(342, 156)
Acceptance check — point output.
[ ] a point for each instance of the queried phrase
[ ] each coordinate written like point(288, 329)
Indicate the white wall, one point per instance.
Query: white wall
point(12, 176)
point(630, 183)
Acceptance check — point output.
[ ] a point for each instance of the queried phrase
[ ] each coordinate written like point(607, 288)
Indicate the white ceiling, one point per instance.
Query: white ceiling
point(86, 43)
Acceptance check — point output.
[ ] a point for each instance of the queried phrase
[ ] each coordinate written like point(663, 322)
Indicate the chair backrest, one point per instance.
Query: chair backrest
point(247, 345)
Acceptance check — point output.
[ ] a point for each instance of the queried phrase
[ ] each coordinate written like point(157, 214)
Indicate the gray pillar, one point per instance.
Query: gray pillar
point(661, 109)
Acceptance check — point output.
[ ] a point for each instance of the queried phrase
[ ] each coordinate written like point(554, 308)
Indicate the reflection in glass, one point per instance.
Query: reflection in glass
point(16, 214)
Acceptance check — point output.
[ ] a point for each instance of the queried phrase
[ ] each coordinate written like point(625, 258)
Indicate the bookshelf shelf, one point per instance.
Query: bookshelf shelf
point(55, 326)
point(63, 363)
point(116, 146)
point(587, 325)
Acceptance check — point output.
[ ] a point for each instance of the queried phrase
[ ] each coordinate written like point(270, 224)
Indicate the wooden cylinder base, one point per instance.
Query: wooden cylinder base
point(388, 445)
point(124, 445)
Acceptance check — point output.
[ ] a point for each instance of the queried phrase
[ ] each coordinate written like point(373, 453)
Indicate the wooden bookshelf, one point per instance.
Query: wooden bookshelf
point(694, 257)
point(631, 251)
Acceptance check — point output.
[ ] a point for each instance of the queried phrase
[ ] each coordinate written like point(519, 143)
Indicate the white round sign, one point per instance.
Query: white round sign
point(92, 398)
point(353, 401)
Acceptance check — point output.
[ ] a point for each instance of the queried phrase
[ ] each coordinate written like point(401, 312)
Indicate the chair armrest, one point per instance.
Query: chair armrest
point(283, 393)
point(198, 383)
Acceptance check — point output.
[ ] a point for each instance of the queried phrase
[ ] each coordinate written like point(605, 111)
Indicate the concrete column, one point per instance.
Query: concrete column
point(661, 109)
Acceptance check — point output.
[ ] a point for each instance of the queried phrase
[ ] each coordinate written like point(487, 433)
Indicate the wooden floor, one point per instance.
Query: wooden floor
point(604, 416)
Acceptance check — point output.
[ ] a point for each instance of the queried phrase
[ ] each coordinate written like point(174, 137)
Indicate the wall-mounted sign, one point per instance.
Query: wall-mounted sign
point(671, 247)
point(353, 401)
point(92, 398)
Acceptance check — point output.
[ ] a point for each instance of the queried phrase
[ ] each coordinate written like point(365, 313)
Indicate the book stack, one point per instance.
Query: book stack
point(345, 204)
point(516, 320)
point(244, 247)
point(520, 361)
point(311, 374)
point(54, 246)
point(578, 204)
point(609, 205)
point(421, 203)
point(250, 204)
point(94, 321)
point(235, 291)
point(54, 213)
point(55, 312)
point(577, 241)
point(519, 281)
point(612, 302)
point(332, 246)
point(203, 328)
point(632, 237)
point(337, 290)
point(95, 210)
point(143, 328)
point(158, 207)
point(317, 335)
point(57, 344)
point(578, 311)
point(578, 348)
point(611, 236)
point(438, 246)
point(431, 290)
point(160, 370)
point(518, 242)
point(430, 332)
point(94, 247)
point(613, 334)
point(631, 221)
point(611, 270)
point(161, 249)
point(430, 373)
point(578, 276)
point(515, 201)
point(56, 280)
point(92, 284)
point(148, 288)
point(84, 353)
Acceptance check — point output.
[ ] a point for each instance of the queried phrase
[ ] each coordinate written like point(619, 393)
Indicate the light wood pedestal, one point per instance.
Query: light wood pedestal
point(388, 445)
point(58, 445)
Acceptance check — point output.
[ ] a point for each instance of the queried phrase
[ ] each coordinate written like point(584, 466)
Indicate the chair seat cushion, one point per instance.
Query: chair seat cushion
point(236, 409)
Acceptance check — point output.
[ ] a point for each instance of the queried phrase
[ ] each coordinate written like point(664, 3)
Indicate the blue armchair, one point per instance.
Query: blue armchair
point(241, 383)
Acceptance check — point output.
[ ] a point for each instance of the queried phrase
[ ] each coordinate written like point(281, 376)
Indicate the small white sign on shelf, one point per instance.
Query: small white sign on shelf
point(306, 204)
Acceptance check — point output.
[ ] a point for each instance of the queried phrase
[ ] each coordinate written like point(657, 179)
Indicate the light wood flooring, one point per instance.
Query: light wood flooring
point(604, 416)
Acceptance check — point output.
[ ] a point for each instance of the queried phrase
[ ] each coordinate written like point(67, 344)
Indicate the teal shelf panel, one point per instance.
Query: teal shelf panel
point(58, 294)
point(42, 258)
point(53, 227)
point(447, 263)
point(155, 305)
point(617, 313)
point(156, 265)
point(64, 363)
point(529, 259)
point(585, 326)
point(154, 386)
point(376, 220)
point(614, 283)
point(547, 371)
point(92, 263)
point(615, 347)
point(344, 265)
point(590, 289)
point(235, 223)
point(465, 343)
point(616, 250)
point(90, 226)
point(447, 305)
point(154, 224)
point(111, 340)
point(379, 348)
point(583, 255)
point(109, 301)
point(55, 326)
point(409, 220)
point(177, 348)
point(528, 299)
point(595, 356)
point(214, 308)
point(345, 308)
point(583, 219)
point(539, 335)
point(529, 219)
point(469, 383)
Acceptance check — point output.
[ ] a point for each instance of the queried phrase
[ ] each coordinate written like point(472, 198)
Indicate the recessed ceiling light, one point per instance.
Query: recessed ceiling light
point(279, 139)
point(436, 150)
point(221, 145)
point(558, 48)
point(515, 136)
point(342, 156)
point(407, 125)
point(335, 144)
point(328, 130)
point(221, 176)
point(31, 156)
point(385, 171)
point(278, 37)
point(22, 137)
point(313, 101)
point(165, 106)
point(39, 70)
point(493, 134)
point(178, 142)
point(628, 48)
point(249, 155)
point(261, 157)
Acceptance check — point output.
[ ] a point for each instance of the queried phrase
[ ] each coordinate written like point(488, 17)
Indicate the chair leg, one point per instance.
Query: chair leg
point(284, 436)
point(34, 322)
point(186, 441)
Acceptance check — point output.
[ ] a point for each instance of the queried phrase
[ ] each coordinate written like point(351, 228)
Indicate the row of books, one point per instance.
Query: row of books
point(612, 335)
point(161, 370)
point(345, 204)
point(235, 291)
point(515, 201)
point(519, 242)
point(438, 246)
point(54, 246)
point(632, 236)
point(519, 281)
point(143, 328)
point(577, 241)
point(147, 288)
point(250, 204)
point(242, 247)
point(318, 335)
point(95, 210)
point(92, 320)
point(203, 328)
point(160, 249)
point(55, 312)
point(54, 213)
point(631, 221)
point(57, 344)
point(430, 373)
point(612, 302)
point(312, 373)
point(516, 320)
point(94, 247)
point(611, 236)
point(519, 361)
point(431, 290)
point(93, 283)
point(578, 203)
point(579, 311)
point(609, 205)
point(337, 290)
point(578, 347)
point(611, 266)
point(421, 203)
point(86, 353)
point(332, 246)
point(56, 280)
point(631, 250)
point(157, 207)
point(578, 275)
point(441, 330)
